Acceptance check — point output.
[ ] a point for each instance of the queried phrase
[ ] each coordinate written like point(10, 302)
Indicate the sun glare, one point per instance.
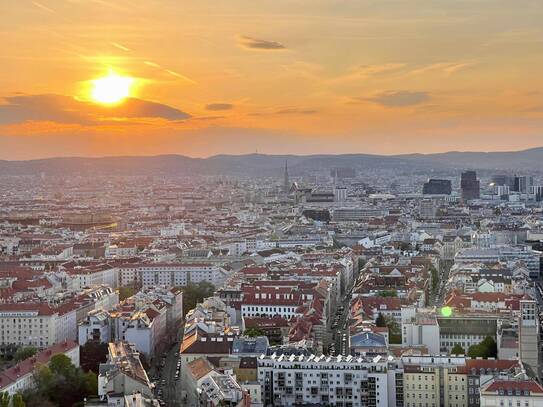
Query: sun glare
point(111, 89)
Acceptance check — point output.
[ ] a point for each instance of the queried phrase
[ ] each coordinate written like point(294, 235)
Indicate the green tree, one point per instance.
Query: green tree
point(457, 350)
point(11, 401)
point(24, 353)
point(388, 293)
point(475, 351)
point(91, 383)
point(380, 321)
point(17, 401)
point(490, 347)
point(4, 399)
point(125, 292)
point(92, 354)
point(195, 293)
point(394, 332)
point(254, 331)
point(61, 364)
point(487, 348)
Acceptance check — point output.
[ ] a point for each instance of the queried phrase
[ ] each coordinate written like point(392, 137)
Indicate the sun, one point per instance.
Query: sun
point(111, 89)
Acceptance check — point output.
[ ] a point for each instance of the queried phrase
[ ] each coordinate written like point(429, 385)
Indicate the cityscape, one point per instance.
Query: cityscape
point(336, 286)
point(332, 203)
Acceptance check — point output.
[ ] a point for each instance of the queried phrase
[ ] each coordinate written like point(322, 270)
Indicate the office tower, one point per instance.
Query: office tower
point(286, 183)
point(520, 184)
point(437, 187)
point(501, 180)
point(536, 190)
point(529, 340)
point(470, 185)
point(501, 190)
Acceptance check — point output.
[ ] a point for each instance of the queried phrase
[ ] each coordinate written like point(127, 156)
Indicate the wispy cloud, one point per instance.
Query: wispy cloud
point(447, 68)
point(168, 71)
point(287, 111)
point(401, 98)
point(43, 7)
point(258, 44)
point(120, 46)
point(297, 110)
point(219, 106)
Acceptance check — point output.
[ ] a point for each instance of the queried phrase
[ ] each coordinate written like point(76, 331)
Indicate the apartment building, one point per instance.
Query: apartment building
point(325, 380)
point(171, 274)
point(435, 381)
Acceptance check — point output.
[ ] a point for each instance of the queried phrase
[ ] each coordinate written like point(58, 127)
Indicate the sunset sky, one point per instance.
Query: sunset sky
point(273, 76)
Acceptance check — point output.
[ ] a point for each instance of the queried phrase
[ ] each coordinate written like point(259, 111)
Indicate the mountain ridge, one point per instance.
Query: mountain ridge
point(267, 164)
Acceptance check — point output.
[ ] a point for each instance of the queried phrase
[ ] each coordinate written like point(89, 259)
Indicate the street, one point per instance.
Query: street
point(168, 388)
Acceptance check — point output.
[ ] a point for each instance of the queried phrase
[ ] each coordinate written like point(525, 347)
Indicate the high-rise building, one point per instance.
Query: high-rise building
point(501, 180)
point(470, 185)
point(437, 187)
point(521, 183)
point(528, 337)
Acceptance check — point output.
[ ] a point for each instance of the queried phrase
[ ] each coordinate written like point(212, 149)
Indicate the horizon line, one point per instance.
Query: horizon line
point(96, 157)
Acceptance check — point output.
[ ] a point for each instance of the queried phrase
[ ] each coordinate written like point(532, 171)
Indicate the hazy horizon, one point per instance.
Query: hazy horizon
point(272, 154)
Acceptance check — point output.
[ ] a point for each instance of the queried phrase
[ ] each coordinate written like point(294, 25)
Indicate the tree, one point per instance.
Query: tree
point(4, 399)
point(125, 292)
point(388, 293)
point(475, 351)
point(195, 293)
point(24, 353)
point(457, 350)
point(11, 401)
point(380, 321)
point(17, 401)
point(487, 348)
point(92, 354)
point(91, 383)
point(60, 384)
point(61, 364)
point(490, 347)
point(253, 332)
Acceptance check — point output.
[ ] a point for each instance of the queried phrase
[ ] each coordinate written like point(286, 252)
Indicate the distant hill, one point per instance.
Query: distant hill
point(260, 164)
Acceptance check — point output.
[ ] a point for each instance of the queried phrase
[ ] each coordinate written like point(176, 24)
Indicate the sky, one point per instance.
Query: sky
point(271, 76)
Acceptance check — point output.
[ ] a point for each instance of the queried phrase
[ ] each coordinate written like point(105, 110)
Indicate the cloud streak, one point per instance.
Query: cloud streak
point(65, 109)
point(258, 44)
point(219, 106)
point(401, 98)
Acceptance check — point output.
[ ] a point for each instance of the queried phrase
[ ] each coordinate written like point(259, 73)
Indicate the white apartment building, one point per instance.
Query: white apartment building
point(36, 324)
point(324, 380)
point(283, 310)
point(102, 274)
point(179, 274)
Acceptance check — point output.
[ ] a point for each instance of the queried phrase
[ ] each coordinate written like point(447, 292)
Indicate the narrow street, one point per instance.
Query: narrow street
point(341, 331)
point(168, 387)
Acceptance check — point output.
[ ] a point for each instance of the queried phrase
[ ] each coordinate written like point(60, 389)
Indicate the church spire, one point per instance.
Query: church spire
point(286, 183)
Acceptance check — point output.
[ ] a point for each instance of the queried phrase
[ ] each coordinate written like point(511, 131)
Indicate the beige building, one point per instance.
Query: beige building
point(435, 381)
